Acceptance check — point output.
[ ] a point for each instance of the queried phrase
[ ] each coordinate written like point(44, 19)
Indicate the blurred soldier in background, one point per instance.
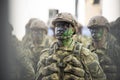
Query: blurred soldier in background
point(26, 41)
point(39, 41)
point(104, 45)
point(115, 29)
point(67, 59)
point(14, 55)
point(27, 73)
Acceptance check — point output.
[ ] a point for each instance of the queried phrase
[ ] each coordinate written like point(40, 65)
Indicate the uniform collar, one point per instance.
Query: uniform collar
point(68, 48)
point(104, 47)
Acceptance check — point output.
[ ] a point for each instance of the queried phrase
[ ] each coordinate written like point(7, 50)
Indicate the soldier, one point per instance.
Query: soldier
point(67, 59)
point(115, 29)
point(104, 45)
point(26, 40)
point(14, 56)
point(39, 41)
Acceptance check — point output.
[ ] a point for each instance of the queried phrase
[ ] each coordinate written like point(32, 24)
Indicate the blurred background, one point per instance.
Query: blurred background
point(20, 11)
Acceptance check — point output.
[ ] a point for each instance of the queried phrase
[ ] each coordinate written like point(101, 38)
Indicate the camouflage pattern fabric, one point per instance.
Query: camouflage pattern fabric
point(35, 41)
point(81, 39)
point(105, 44)
point(32, 57)
point(69, 63)
point(108, 57)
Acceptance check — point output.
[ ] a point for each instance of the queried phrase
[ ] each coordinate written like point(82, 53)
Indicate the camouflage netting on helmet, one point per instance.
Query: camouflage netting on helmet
point(65, 17)
point(98, 21)
point(29, 22)
point(39, 24)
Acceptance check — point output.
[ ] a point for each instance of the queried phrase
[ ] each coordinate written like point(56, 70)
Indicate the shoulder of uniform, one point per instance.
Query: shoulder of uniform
point(88, 54)
point(85, 51)
point(53, 43)
point(77, 45)
point(44, 51)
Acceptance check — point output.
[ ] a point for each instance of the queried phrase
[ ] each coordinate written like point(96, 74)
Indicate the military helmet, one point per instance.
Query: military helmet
point(98, 21)
point(66, 17)
point(39, 24)
point(29, 23)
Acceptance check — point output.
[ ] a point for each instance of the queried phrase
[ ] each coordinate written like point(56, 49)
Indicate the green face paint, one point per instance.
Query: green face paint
point(100, 34)
point(97, 33)
point(67, 34)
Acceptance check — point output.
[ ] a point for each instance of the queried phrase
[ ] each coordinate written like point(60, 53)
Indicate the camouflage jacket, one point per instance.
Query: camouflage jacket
point(108, 57)
point(69, 63)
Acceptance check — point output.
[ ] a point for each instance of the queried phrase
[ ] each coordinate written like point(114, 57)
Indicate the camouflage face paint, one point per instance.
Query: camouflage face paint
point(63, 30)
point(67, 34)
point(97, 33)
point(100, 33)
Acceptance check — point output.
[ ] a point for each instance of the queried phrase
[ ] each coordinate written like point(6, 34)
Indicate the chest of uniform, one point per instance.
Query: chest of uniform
point(68, 65)
point(62, 53)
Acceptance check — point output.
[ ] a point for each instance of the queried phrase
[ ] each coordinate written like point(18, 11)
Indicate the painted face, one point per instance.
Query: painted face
point(63, 30)
point(37, 34)
point(97, 33)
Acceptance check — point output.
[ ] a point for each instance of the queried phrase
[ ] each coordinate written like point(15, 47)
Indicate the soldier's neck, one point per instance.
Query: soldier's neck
point(65, 42)
point(99, 44)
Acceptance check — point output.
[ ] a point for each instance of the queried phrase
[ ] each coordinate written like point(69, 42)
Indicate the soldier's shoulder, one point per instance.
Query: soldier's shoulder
point(84, 51)
point(43, 55)
point(88, 55)
point(44, 51)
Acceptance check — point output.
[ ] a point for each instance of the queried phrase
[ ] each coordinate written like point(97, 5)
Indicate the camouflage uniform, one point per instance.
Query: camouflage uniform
point(114, 30)
point(26, 40)
point(108, 52)
point(39, 41)
point(81, 39)
point(70, 61)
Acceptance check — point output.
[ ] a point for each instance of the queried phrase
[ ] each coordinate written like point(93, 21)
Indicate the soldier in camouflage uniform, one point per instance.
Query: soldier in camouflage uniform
point(27, 72)
point(14, 55)
point(26, 40)
point(104, 45)
point(115, 29)
point(39, 41)
point(67, 59)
